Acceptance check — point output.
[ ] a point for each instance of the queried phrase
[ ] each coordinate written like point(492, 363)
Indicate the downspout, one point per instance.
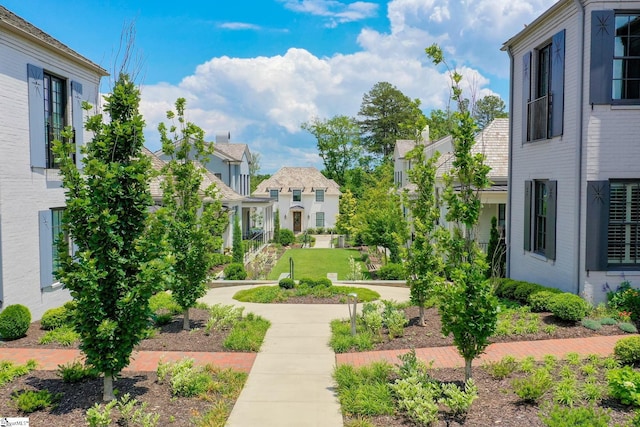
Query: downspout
point(510, 175)
point(579, 151)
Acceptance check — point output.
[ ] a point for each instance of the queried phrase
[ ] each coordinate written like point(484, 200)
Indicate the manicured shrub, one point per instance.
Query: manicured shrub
point(569, 307)
point(392, 271)
point(54, 318)
point(625, 298)
point(627, 350)
point(29, 401)
point(608, 321)
point(541, 301)
point(623, 383)
point(287, 283)
point(14, 322)
point(235, 271)
point(506, 288)
point(307, 281)
point(323, 282)
point(286, 237)
point(524, 289)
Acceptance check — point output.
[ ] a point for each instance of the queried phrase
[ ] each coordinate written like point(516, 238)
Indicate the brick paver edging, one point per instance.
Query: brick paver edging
point(147, 361)
point(448, 357)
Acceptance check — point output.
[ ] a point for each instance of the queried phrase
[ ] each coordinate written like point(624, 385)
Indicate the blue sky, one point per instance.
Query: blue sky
point(260, 68)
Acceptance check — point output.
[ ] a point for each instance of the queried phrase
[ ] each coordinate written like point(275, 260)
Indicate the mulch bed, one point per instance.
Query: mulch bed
point(495, 405)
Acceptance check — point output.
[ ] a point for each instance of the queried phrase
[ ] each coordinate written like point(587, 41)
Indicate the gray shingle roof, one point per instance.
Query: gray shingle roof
point(306, 179)
point(235, 151)
point(403, 146)
point(493, 142)
point(227, 194)
point(13, 22)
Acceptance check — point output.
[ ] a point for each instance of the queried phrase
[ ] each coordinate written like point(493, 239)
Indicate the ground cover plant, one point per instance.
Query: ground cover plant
point(304, 294)
point(307, 265)
point(199, 396)
point(577, 391)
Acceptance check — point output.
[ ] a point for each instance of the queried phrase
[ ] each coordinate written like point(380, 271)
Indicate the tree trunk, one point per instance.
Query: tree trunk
point(421, 321)
point(107, 392)
point(185, 324)
point(467, 369)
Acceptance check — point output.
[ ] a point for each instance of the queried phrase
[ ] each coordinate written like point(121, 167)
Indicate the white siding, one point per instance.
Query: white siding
point(23, 191)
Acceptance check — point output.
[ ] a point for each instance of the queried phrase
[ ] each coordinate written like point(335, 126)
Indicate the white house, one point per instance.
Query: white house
point(42, 86)
point(493, 143)
point(304, 197)
point(574, 217)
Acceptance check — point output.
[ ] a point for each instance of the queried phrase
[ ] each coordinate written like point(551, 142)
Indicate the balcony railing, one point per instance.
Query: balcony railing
point(538, 123)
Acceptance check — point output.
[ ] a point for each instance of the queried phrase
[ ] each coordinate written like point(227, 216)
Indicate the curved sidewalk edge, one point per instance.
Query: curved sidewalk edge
point(448, 357)
point(146, 361)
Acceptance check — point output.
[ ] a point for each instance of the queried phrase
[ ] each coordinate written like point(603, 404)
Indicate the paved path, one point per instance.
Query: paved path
point(290, 381)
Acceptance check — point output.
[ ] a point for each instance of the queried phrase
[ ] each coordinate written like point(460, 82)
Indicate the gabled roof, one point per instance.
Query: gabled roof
point(403, 146)
point(17, 25)
point(226, 193)
point(306, 179)
point(493, 142)
point(234, 151)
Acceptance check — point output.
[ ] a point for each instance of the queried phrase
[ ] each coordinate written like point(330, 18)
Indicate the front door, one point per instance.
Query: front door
point(297, 222)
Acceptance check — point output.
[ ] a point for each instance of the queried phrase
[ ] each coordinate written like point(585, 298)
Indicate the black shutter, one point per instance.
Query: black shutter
point(526, 94)
point(46, 248)
point(602, 37)
point(552, 208)
point(557, 83)
point(528, 185)
point(597, 225)
point(37, 142)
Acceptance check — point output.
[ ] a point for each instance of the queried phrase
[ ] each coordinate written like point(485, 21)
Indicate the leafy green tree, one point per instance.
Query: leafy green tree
point(386, 116)
point(119, 261)
point(487, 109)
point(193, 227)
point(254, 168)
point(338, 144)
point(237, 250)
point(347, 210)
point(380, 217)
point(468, 307)
point(440, 123)
point(424, 260)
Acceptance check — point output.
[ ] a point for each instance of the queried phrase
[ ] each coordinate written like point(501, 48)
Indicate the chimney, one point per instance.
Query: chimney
point(224, 137)
point(425, 134)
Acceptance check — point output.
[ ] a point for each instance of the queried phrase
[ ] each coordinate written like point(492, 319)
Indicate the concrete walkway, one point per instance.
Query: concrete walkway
point(322, 241)
point(291, 382)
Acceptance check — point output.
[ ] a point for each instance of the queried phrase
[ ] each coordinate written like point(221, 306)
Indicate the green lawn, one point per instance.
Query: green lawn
point(316, 263)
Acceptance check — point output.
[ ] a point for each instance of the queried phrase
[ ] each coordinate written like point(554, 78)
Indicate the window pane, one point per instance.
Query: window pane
point(319, 195)
point(621, 23)
point(319, 219)
point(297, 196)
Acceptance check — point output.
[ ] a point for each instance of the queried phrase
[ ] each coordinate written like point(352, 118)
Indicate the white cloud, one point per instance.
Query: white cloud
point(239, 26)
point(263, 100)
point(335, 11)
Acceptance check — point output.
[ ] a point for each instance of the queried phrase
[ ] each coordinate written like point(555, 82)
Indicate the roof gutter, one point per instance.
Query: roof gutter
point(579, 151)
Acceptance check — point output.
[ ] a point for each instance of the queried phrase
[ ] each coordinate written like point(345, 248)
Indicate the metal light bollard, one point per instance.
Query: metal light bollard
point(353, 299)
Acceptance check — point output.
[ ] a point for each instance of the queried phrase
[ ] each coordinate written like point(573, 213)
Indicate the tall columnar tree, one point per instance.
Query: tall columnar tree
point(386, 114)
point(118, 261)
point(424, 260)
point(237, 250)
point(192, 217)
point(467, 305)
point(276, 226)
point(338, 144)
point(347, 210)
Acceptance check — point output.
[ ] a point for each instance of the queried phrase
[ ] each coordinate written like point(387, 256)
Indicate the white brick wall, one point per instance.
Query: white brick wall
point(23, 191)
point(610, 150)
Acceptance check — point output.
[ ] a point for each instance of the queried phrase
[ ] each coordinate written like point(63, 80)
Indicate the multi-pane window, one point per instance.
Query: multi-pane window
point(319, 195)
point(540, 217)
point(319, 219)
point(297, 195)
point(54, 113)
point(624, 223)
point(273, 194)
point(626, 57)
